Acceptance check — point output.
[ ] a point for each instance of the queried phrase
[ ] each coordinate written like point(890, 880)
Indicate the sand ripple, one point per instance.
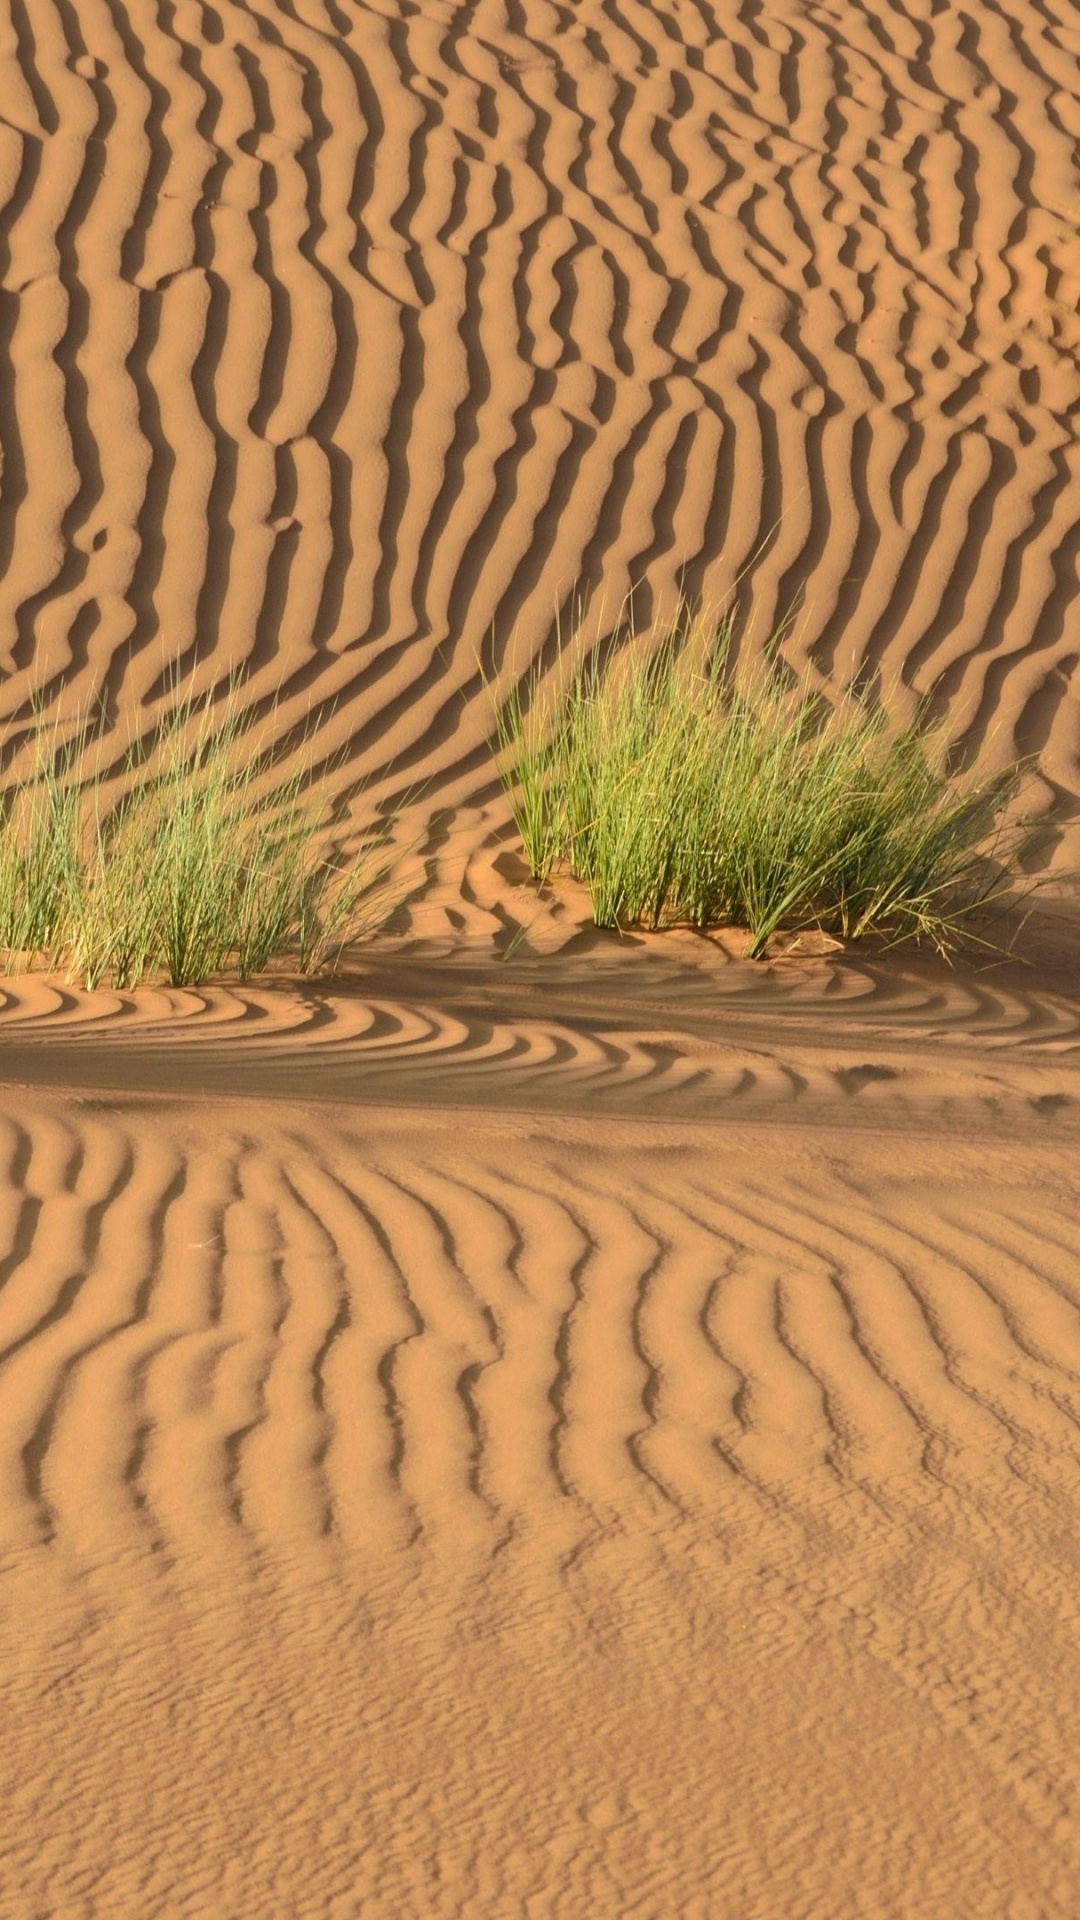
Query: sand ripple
point(532, 1516)
point(602, 1438)
point(344, 342)
point(641, 1035)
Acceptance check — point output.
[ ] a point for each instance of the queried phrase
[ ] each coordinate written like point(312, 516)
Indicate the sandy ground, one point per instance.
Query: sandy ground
point(550, 1425)
point(646, 1490)
point(344, 342)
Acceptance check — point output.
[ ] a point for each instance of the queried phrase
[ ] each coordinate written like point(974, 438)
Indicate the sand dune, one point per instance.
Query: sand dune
point(547, 1425)
point(346, 342)
point(540, 1517)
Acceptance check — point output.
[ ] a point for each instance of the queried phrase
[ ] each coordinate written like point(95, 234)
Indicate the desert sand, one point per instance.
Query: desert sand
point(543, 1424)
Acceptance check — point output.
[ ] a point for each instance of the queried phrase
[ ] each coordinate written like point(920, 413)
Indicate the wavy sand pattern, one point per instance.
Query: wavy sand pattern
point(546, 1520)
point(344, 342)
point(547, 1426)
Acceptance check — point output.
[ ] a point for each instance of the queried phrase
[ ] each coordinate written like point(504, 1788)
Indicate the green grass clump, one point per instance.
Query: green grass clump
point(682, 791)
point(196, 869)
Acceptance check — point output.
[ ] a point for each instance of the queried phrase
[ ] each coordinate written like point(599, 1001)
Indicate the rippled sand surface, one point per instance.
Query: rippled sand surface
point(346, 339)
point(646, 1489)
point(547, 1425)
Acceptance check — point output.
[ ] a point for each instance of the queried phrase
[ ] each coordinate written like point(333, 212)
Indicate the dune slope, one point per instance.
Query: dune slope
point(597, 1433)
point(344, 342)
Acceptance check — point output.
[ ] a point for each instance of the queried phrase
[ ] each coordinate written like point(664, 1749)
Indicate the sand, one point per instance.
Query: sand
point(544, 1424)
point(465, 1461)
point(418, 1513)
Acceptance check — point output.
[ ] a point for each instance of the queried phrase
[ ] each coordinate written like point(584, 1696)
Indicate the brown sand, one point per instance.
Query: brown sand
point(343, 341)
point(649, 1490)
point(553, 1426)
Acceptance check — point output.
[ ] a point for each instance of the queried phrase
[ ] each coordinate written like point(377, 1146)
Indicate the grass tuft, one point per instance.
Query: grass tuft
point(682, 790)
point(194, 871)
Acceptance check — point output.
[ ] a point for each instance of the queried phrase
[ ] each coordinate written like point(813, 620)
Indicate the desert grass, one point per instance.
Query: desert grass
point(681, 789)
point(202, 866)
